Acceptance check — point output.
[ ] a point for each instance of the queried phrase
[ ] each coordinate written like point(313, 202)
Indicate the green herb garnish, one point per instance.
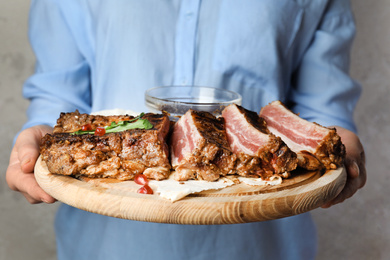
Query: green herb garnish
point(136, 123)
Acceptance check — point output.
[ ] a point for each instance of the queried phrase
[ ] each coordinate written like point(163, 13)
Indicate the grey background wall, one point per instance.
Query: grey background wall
point(356, 229)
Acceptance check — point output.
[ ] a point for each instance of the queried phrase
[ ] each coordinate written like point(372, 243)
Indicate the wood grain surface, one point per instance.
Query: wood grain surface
point(239, 203)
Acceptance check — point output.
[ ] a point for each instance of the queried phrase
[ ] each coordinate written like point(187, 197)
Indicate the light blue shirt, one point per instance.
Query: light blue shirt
point(95, 54)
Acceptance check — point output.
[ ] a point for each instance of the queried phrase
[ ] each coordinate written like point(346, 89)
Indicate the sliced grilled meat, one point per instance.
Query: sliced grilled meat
point(315, 145)
point(199, 147)
point(260, 153)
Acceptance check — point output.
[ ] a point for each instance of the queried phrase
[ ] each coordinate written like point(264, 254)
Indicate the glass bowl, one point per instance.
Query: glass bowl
point(177, 100)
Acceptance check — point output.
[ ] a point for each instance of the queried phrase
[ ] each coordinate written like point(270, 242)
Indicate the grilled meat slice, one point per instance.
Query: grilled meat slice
point(116, 155)
point(199, 147)
point(315, 145)
point(259, 152)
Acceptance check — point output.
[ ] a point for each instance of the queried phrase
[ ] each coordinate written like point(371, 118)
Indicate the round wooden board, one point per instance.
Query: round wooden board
point(239, 203)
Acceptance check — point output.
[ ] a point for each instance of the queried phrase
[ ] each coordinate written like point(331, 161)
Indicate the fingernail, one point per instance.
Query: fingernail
point(46, 201)
point(25, 161)
point(356, 168)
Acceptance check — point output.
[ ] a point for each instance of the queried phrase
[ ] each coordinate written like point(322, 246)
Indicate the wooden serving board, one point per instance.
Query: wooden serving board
point(239, 203)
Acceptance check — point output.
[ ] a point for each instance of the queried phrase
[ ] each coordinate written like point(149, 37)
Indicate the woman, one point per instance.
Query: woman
point(95, 55)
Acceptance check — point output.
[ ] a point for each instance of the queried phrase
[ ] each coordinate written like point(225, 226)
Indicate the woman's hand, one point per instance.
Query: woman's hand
point(20, 173)
point(355, 164)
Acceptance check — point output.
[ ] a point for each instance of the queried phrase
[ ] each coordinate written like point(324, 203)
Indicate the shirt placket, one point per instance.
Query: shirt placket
point(185, 42)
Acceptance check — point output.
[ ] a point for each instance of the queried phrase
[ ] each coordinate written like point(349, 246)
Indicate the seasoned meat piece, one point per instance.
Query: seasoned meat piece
point(72, 122)
point(315, 145)
point(259, 152)
point(199, 147)
point(115, 155)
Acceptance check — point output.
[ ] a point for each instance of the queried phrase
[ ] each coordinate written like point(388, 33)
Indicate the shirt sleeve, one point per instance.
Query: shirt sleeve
point(322, 89)
point(61, 82)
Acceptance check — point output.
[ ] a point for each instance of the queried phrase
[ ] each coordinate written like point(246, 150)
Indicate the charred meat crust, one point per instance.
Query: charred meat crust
point(211, 128)
point(274, 159)
point(254, 119)
point(331, 152)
